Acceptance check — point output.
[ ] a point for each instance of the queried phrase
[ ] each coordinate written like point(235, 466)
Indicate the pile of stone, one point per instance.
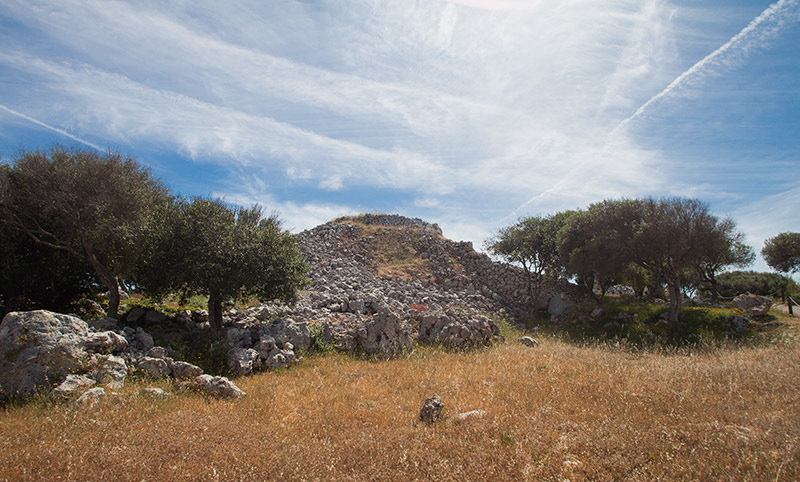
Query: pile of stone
point(41, 351)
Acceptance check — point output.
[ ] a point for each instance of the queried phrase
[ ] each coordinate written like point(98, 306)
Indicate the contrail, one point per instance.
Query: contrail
point(54, 129)
point(773, 12)
point(777, 12)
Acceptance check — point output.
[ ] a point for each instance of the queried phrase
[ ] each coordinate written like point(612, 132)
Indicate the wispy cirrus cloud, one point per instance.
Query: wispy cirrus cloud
point(455, 110)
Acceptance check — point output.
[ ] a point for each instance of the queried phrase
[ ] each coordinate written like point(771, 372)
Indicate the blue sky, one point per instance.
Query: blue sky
point(468, 113)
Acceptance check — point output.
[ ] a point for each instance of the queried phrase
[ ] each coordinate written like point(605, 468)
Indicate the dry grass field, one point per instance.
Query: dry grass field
point(555, 412)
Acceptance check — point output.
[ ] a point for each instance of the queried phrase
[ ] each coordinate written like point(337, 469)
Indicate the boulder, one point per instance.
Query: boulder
point(287, 330)
point(384, 335)
point(70, 387)
point(279, 358)
point(241, 361)
point(109, 369)
point(559, 304)
point(184, 370)
point(753, 305)
point(471, 415)
point(155, 393)
point(142, 340)
point(38, 349)
point(264, 346)
point(218, 387)
point(457, 330)
point(238, 337)
point(91, 396)
point(104, 324)
point(105, 342)
point(154, 317)
point(157, 352)
point(134, 314)
point(736, 325)
point(431, 410)
point(153, 367)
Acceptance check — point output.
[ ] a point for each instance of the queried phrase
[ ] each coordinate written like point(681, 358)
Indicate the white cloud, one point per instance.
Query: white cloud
point(464, 109)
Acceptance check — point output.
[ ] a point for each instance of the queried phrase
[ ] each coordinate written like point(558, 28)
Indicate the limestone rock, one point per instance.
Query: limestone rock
point(287, 330)
point(559, 304)
point(105, 342)
point(70, 387)
point(155, 393)
point(143, 341)
point(241, 361)
point(279, 358)
point(184, 370)
point(218, 387)
point(38, 349)
point(736, 324)
point(457, 330)
point(91, 397)
point(753, 305)
point(431, 410)
point(471, 415)
point(153, 367)
point(385, 335)
point(109, 369)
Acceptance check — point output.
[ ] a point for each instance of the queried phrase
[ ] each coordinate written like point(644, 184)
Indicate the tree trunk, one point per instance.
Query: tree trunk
point(530, 281)
point(215, 310)
point(108, 280)
point(714, 291)
point(789, 304)
point(674, 302)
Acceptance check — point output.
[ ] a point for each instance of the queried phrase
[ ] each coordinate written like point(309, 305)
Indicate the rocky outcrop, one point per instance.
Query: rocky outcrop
point(753, 305)
point(218, 387)
point(431, 410)
point(40, 350)
point(456, 329)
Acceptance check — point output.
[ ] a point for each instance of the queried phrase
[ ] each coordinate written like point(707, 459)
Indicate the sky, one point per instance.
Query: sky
point(466, 113)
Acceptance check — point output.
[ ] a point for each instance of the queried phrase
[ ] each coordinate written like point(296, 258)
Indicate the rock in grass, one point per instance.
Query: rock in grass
point(38, 349)
point(218, 387)
point(753, 305)
point(70, 387)
point(431, 410)
point(155, 393)
point(471, 415)
point(528, 341)
point(184, 370)
point(90, 397)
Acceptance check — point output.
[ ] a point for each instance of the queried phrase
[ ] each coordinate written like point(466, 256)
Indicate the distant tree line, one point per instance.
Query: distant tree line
point(74, 221)
point(650, 244)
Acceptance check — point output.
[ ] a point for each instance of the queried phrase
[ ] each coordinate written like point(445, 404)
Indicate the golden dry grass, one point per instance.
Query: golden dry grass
point(554, 412)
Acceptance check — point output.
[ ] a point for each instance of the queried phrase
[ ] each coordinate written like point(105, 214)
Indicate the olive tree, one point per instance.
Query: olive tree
point(782, 252)
point(532, 243)
point(595, 244)
point(89, 205)
point(207, 247)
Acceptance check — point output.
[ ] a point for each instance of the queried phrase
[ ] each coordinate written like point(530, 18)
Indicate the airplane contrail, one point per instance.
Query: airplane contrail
point(54, 129)
point(773, 12)
point(778, 12)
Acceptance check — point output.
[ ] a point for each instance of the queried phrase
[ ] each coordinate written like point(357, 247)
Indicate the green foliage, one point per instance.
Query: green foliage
point(641, 324)
point(735, 283)
point(204, 246)
point(87, 205)
point(318, 344)
point(37, 277)
point(782, 252)
point(532, 243)
point(595, 244)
